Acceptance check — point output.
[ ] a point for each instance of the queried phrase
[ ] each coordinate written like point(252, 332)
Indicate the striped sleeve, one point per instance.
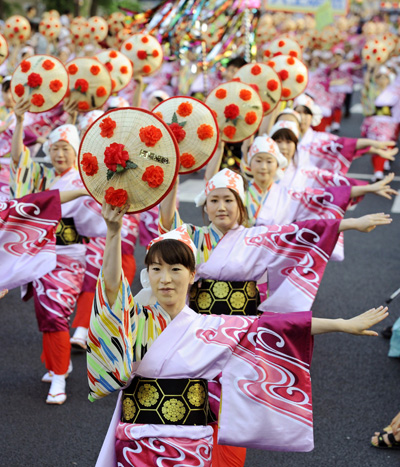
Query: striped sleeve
point(111, 338)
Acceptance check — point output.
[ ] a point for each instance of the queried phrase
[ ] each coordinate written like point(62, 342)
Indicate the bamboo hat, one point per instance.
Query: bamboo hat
point(17, 30)
point(50, 27)
point(3, 49)
point(375, 52)
point(89, 83)
point(265, 80)
point(80, 32)
point(238, 109)
point(119, 66)
point(41, 78)
point(293, 74)
point(145, 52)
point(194, 127)
point(129, 156)
point(283, 46)
point(98, 28)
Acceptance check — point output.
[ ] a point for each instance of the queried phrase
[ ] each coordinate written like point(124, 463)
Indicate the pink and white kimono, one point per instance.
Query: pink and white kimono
point(266, 388)
point(27, 237)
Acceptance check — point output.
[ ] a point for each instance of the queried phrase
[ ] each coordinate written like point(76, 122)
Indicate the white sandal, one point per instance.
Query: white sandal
point(48, 377)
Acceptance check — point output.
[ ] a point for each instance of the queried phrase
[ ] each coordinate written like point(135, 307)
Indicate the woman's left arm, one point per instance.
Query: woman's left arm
point(380, 188)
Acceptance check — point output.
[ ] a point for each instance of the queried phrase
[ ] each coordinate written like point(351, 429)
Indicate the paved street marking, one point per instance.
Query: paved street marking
point(356, 109)
point(396, 205)
point(367, 177)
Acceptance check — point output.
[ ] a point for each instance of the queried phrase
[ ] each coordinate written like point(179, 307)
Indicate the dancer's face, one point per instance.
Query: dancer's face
point(263, 167)
point(222, 209)
point(62, 156)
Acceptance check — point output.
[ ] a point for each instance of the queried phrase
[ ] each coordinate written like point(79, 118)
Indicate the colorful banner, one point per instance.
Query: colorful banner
point(339, 7)
point(324, 16)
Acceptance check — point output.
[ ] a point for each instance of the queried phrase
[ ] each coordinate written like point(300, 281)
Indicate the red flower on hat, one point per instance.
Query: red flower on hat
point(83, 105)
point(281, 43)
point(266, 106)
point(25, 66)
point(245, 94)
point(101, 91)
point(229, 131)
point(48, 65)
point(155, 53)
point(55, 85)
point(81, 85)
point(187, 160)
point(271, 64)
point(38, 100)
point(272, 85)
point(150, 135)
point(114, 155)
point(72, 69)
point(128, 46)
point(290, 61)
point(250, 118)
point(283, 74)
point(141, 54)
point(34, 80)
point(178, 131)
point(95, 70)
point(146, 69)
point(205, 132)
point(113, 83)
point(184, 109)
point(220, 94)
point(89, 164)
point(113, 54)
point(267, 53)
point(299, 78)
point(255, 70)
point(159, 115)
point(231, 111)
point(116, 198)
point(124, 70)
point(293, 53)
point(286, 92)
point(107, 127)
point(19, 90)
point(255, 87)
point(145, 40)
point(153, 175)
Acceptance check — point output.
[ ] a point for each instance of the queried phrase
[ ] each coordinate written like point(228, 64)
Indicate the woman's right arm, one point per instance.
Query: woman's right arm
point(168, 207)
point(112, 259)
point(17, 143)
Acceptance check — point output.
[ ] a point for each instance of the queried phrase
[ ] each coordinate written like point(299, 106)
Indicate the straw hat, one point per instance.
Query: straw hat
point(42, 78)
point(80, 33)
point(116, 22)
point(89, 83)
point(119, 66)
point(293, 74)
point(123, 35)
point(98, 28)
point(129, 155)
point(283, 46)
point(194, 127)
point(145, 52)
point(238, 109)
point(50, 27)
point(265, 80)
point(78, 21)
point(375, 52)
point(3, 49)
point(17, 30)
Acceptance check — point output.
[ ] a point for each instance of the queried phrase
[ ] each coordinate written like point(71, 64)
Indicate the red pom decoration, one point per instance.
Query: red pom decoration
point(283, 75)
point(19, 90)
point(72, 69)
point(185, 109)
point(48, 65)
point(153, 175)
point(205, 131)
point(81, 85)
point(114, 155)
point(55, 85)
point(141, 54)
point(116, 198)
point(95, 70)
point(250, 118)
point(25, 66)
point(229, 131)
point(34, 80)
point(178, 132)
point(187, 160)
point(231, 111)
point(150, 135)
point(272, 85)
point(107, 127)
point(245, 94)
point(89, 164)
point(38, 100)
point(255, 70)
point(220, 93)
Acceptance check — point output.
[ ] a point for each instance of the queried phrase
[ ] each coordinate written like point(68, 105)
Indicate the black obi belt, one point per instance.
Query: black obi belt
point(225, 298)
point(166, 401)
point(66, 233)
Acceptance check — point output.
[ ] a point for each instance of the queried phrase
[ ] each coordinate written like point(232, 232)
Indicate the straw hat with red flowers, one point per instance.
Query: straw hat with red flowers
point(375, 52)
point(98, 28)
point(293, 74)
point(145, 52)
point(41, 78)
point(263, 79)
point(80, 32)
point(238, 108)
point(116, 22)
point(3, 49)
point(283, 46)
point(129, 156)
point(17, 30)
point(119, 66)
point(89, 83)
point(194, 127)
point(50, 27)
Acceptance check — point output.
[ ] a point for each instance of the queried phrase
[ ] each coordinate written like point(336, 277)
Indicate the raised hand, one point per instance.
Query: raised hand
point(113, 216)
point(370, 221)
point(386, 152)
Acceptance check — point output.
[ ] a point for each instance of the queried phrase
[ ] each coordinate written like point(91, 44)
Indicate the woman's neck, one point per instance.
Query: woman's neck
point(175, 309)
point(264, 185)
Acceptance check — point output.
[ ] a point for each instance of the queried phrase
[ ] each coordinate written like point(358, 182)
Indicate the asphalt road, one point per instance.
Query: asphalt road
point(356, 387)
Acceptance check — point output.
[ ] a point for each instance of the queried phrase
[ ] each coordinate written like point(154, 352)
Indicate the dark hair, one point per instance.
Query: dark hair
point(237, 62)
point(243, 216)
point(285, 134)
point(5, 86)
point(171, 252)
point(306, 109)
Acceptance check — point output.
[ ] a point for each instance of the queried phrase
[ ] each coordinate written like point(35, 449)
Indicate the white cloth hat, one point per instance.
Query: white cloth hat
point(223, 179)
point(68, 133)
point(265, 144)
point(307, 101)
point(285, 124)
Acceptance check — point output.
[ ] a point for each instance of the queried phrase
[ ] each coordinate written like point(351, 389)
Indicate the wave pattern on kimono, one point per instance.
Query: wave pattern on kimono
point(27, 237)
point(268, 406)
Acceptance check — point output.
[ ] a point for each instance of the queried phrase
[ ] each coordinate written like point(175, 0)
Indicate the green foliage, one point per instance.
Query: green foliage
point(8, 9)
